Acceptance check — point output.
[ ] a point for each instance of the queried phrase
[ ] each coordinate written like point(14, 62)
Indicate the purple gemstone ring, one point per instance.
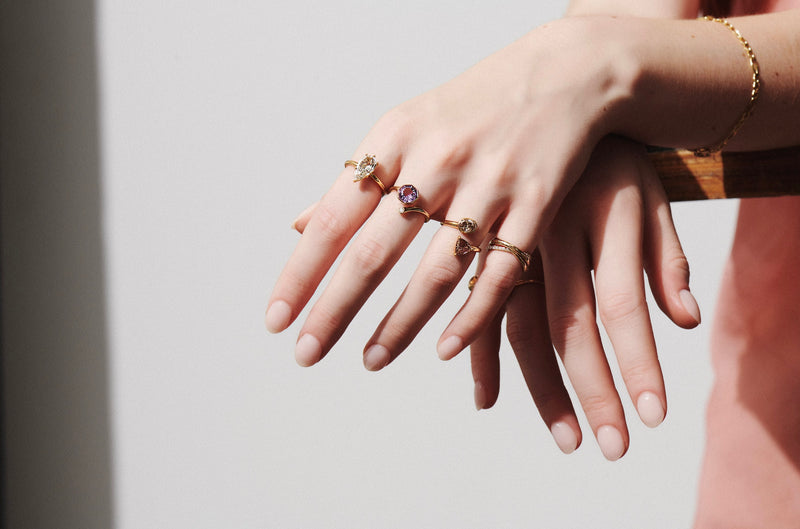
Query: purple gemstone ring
point(407, 194)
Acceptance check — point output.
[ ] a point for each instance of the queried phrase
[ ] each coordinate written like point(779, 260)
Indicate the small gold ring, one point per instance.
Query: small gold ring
point(524, 258)
point(464, 225)
point(463, 247)
point(528, 282)
point(416, 209)
point(364, 168)
point(474, 279)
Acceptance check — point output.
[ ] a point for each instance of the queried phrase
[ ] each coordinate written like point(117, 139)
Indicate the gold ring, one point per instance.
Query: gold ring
point(464, 225)
point(416, 209)
point(524, 258)
point(364, 168)
point(463, 247)
point(408, 195)
point(474, 279)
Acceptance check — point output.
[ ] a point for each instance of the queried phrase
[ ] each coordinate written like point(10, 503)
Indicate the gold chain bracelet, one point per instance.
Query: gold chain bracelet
point(708, 151)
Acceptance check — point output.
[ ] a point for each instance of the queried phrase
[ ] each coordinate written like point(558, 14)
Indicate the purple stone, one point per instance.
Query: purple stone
point(407, 194)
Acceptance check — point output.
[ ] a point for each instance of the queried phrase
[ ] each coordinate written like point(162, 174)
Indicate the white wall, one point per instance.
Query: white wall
point(219, 122)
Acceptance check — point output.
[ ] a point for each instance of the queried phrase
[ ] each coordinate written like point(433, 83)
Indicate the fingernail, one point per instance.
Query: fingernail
point(278, 317)
point(308, 351)
point(376, 357)
point(450, 347)
point(650, 409)
point(611, 443)
point(480, 396)
point(564, 437)
point(690, 304)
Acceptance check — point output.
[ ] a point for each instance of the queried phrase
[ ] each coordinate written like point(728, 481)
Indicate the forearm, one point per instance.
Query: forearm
point(643, 8)
point(684, 83)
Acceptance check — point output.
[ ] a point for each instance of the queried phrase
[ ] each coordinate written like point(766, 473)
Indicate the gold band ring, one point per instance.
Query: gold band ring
point(416, 209)
point(463, 247)
point(524, 258)
point(474, 279)
point(464, 225)
point(364, 168)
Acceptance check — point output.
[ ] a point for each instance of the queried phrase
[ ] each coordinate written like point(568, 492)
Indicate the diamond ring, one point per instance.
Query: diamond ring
point(365, 168)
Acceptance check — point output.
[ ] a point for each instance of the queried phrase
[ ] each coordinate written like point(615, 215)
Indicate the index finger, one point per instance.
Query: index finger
point(337, 217)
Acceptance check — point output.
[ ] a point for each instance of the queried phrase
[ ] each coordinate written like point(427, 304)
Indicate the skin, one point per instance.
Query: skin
point(667, 82)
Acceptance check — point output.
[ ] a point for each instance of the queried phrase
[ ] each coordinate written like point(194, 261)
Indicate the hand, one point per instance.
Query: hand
point(617, 222)
point(502, 144)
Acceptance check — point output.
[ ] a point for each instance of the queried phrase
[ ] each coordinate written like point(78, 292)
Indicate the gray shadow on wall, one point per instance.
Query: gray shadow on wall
point(57, 461)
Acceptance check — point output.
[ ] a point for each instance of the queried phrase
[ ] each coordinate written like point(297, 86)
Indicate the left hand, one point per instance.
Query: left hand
point(616, 222)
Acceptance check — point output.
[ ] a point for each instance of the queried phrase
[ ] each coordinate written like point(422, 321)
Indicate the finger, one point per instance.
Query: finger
point(485, 361)
point(485, 354)
point(299, 224)
point(365, 264)
point(529, 336)
point(666, 264)
point(573, 329)
point(497, 280)
point(336, 218)
point(616, 242)
point(438, 273)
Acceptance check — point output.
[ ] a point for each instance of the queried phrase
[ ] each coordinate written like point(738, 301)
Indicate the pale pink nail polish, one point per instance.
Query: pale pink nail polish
point(308, 350)
point(450, 347)
point(278, 317)
point(611, 443)
point(650, 409)
point(480, 396)
point(564, 436)
point(690, 304)
point(376, 357)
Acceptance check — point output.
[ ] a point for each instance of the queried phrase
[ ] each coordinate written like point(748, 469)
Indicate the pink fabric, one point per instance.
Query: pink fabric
point(751, 470)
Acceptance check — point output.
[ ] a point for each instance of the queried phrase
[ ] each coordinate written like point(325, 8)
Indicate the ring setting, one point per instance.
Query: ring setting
point(408, 196)
point(463, 247)
point(465, 225)
point(365, 168)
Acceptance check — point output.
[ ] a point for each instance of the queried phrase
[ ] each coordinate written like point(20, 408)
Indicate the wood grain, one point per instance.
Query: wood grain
point(728, 175)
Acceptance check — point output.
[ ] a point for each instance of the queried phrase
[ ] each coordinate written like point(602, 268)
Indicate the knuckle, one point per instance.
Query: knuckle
point(518, 333)
point(571, 329)
point(441, 279)
point(678, 261)
point(394, 126)
point(597, 403)
point(621, 308)
point(333, 228)
point(498, 283)
point(370, 257)
point(641, 373)
point(448, 151)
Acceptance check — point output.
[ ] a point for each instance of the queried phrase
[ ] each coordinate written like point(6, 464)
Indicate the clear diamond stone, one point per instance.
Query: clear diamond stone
point(366, 166)
point(467, 225)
